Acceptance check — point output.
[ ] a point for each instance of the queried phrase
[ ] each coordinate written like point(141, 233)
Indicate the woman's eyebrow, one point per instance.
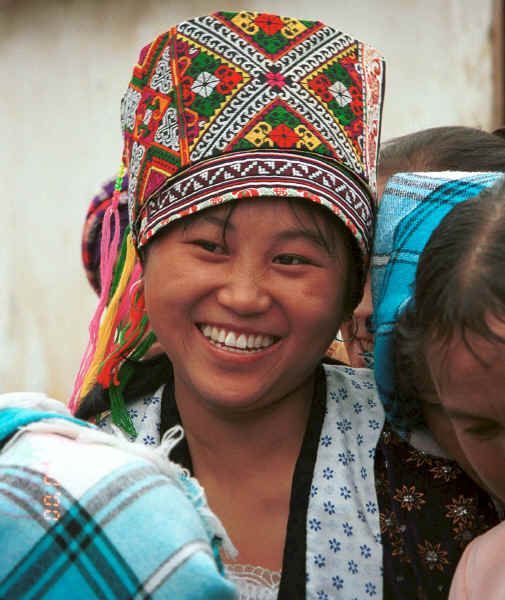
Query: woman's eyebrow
point(220, 221)
point(458, 413)
point(216, 220)
point(290, 234)
point(294, 234)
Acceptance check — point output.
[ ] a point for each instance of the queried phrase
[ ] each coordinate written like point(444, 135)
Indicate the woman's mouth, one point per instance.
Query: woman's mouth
point(366, 344)
point(366, 354)
point(237, 341)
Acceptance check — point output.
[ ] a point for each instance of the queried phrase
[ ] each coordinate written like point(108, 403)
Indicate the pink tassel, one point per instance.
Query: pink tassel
point(124, 309)
point(108, 253)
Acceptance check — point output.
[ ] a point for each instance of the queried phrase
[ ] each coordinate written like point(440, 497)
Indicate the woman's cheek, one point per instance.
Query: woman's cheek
point(484, 461)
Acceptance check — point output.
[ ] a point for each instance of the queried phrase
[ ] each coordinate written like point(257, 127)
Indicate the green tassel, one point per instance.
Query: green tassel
point(118, 268)
point(144, 346)
point(120, 416)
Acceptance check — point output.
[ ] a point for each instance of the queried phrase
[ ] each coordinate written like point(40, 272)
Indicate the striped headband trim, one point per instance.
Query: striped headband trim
point(250, 174)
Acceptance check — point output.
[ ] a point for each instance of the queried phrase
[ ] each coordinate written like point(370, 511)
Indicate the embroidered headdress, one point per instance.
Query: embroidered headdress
point(244, 104)
point(239, 104)
point(411, 208)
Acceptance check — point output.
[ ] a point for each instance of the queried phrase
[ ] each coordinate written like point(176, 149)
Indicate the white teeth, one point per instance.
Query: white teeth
point(240, 341)
point(267, 341)
point(230, 339)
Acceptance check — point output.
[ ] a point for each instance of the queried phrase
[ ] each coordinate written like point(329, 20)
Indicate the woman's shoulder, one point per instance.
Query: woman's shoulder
point(351, 397)
point(145, 414)
point(480, 572)
point(355, 382)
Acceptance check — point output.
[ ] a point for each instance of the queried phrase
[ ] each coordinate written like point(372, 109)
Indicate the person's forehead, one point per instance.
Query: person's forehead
point(472, 379)
point(468, 351)
point(264, 209)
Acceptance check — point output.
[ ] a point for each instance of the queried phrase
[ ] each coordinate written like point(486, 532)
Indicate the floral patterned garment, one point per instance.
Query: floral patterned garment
point(429, 508)
point(429, 511)
point(332, 547)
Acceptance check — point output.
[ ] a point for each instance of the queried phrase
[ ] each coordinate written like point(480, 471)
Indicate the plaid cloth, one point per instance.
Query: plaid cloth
point(411, 208)
point(87, 515)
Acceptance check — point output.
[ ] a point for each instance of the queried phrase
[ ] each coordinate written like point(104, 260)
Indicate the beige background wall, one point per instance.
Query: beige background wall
point(65, 65)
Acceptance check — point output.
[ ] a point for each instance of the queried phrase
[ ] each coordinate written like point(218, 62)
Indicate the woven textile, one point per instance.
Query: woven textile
point(238, 104)
point(412, 206)
point(87, 515)
point(92, 231)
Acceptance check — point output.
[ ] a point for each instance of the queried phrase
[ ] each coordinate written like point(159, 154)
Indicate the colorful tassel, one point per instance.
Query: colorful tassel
point(107, 323)
point(108, 253)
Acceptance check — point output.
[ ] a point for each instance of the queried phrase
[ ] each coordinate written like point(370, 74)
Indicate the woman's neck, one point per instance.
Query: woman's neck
point(231, 445)
point(246, 464)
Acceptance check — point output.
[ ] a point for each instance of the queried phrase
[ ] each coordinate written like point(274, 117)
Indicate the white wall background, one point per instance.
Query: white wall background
point(64, 66)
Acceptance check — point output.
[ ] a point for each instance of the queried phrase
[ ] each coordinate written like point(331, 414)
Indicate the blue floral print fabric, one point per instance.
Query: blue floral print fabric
point(145, 414)
point(343, 557)
point(344, 553)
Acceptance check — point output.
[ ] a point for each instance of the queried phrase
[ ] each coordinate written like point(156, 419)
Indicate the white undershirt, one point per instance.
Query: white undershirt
point(254, 583)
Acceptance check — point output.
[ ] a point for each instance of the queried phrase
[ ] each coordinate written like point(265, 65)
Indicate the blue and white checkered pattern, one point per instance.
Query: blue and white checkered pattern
point(412, 206)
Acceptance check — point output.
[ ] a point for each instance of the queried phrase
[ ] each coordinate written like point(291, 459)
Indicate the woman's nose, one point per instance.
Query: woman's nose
point(244, 292)
point(369, 324)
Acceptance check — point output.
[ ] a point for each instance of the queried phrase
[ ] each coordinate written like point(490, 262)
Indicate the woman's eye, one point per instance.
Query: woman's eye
point(483, 431)
point(209, 246)
point(290, 259)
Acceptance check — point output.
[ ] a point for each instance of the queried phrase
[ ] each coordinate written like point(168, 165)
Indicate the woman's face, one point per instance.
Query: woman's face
point(246, 319)
point(472, 396)
point(357, 332)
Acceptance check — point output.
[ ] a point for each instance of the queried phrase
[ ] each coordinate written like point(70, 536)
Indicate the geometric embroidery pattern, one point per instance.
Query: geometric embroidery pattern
point(248, 81)
point(254, 175)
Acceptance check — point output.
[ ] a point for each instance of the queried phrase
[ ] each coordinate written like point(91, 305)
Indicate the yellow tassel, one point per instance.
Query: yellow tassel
point(105, 330)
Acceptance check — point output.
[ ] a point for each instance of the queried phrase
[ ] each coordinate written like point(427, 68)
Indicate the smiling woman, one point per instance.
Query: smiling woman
point(256, 306)
point(250, 145)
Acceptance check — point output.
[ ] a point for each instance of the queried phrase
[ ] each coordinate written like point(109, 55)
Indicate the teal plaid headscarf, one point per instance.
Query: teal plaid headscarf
point(84, 514)
point(412, 206)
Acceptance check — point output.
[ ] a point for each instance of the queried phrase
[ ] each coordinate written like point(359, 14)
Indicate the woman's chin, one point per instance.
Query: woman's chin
point(235, 406)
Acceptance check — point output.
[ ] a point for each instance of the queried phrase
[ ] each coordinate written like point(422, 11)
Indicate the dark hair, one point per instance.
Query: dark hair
point(150, 375)
point(453, 148)
point(459, 283)
point(500, 132)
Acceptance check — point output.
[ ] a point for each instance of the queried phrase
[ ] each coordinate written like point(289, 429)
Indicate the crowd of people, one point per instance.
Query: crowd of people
point(292, 385)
